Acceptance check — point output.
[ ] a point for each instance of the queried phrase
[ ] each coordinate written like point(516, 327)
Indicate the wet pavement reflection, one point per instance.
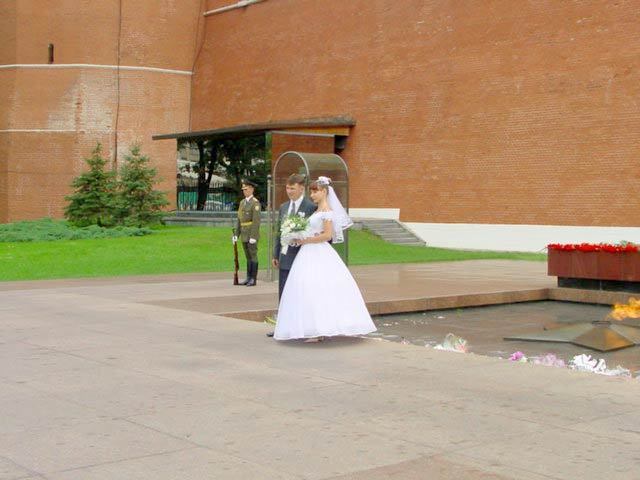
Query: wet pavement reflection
point(485, 327)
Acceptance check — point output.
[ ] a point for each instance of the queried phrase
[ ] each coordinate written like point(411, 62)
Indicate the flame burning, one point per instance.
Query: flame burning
point(630, 310)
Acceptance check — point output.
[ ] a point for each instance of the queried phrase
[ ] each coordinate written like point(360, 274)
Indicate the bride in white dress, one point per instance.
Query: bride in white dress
point(321, 298)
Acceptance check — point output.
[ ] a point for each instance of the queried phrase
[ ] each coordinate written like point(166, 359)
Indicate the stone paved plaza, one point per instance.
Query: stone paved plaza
point(144, 378)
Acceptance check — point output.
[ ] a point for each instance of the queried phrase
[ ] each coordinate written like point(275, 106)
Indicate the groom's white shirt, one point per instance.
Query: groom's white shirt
point(296, 205)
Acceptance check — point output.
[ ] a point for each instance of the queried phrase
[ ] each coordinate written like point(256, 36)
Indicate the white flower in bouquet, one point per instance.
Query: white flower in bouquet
point(294, 227)
point(584, 363)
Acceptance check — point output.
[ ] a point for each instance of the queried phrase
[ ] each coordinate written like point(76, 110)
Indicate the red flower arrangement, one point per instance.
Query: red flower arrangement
point(594, 247)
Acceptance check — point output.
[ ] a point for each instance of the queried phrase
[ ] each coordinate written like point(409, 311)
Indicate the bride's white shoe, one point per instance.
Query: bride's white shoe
point(313, 340)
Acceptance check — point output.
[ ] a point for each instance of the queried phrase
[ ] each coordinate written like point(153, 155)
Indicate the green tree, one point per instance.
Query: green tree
point(93, 201)
point(139, 203)
point(233, 158)
point(245, 158)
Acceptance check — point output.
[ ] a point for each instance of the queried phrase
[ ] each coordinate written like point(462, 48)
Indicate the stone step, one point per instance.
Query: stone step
point(391, 231)
point(384, 225)
point(204, 213)
point(405, 241)
point(206, 218)
point(376, 221)
point(387, 228)
point(386, 231)
point(397, 235)
point(200, 221)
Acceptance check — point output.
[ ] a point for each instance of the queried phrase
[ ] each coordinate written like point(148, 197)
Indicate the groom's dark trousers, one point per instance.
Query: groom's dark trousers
point(282, 279)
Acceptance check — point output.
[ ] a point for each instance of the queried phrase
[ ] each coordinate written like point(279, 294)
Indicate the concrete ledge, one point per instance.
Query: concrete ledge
point(600, 297)
point(389, 307)
point(251, 315)
point(422, 304)
point(455, 301)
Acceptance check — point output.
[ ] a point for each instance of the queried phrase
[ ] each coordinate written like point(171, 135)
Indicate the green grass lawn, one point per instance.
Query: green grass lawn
point(189, 249)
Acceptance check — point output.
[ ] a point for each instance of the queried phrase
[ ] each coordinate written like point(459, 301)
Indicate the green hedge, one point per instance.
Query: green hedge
point(47, 229)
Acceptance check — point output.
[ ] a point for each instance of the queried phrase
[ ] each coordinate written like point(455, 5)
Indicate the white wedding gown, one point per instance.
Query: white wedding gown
point(321, 297)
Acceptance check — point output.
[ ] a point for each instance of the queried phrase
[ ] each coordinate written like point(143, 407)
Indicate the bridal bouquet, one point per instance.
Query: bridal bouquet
point(294, 227)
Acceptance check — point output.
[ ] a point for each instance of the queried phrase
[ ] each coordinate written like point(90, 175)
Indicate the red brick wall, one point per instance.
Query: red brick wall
point(5, 145)
point(7, 79)
point(8, 32)
point(77, 107)
point(478, 112)
point(282, 142)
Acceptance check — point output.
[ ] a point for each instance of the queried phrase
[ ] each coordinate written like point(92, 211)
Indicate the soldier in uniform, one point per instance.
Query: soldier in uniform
point(248, 230)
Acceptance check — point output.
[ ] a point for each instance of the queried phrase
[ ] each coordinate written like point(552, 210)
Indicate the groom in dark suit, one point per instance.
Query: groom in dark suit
point(297, 205)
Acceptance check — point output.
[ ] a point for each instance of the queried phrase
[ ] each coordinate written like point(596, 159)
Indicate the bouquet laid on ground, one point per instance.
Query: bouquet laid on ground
point(549, 360)
point(581, 363)
point(518, 357)
point(584, 363)
point(453, 343)
point(294, 227)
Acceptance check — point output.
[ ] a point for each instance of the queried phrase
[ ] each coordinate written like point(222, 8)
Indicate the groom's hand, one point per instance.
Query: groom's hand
point(275, 262)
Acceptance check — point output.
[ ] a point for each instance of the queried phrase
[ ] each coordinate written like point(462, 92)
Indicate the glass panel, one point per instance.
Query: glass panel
point(288, 164)
point(329, 165)
point(313, 165)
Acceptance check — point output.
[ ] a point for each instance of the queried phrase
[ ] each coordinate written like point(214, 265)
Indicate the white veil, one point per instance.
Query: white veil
point(341, 219)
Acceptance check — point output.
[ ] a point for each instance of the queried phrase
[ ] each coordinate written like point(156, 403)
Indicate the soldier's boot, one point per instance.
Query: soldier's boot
point(249, 270)
point(251, 282)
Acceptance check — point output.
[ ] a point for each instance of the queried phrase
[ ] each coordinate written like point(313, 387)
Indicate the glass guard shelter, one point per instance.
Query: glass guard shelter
point(311, 165)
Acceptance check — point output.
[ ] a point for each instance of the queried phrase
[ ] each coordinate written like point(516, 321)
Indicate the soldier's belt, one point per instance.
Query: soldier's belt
point(244, 224)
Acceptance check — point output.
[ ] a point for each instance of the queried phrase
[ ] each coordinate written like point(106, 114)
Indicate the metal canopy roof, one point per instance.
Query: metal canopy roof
point(258, 128)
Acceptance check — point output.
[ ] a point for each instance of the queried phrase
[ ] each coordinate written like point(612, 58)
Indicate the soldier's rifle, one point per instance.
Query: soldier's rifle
point(235, 261)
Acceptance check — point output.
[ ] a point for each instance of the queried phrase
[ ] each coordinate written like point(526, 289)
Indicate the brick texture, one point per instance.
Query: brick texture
point(5, 145)
point(8, 17)
point(282, 142)
point(68, 110)
point(467, 112)
point(471, 112)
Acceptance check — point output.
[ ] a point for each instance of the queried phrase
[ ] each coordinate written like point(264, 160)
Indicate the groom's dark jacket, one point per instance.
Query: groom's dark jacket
point(308, 207)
